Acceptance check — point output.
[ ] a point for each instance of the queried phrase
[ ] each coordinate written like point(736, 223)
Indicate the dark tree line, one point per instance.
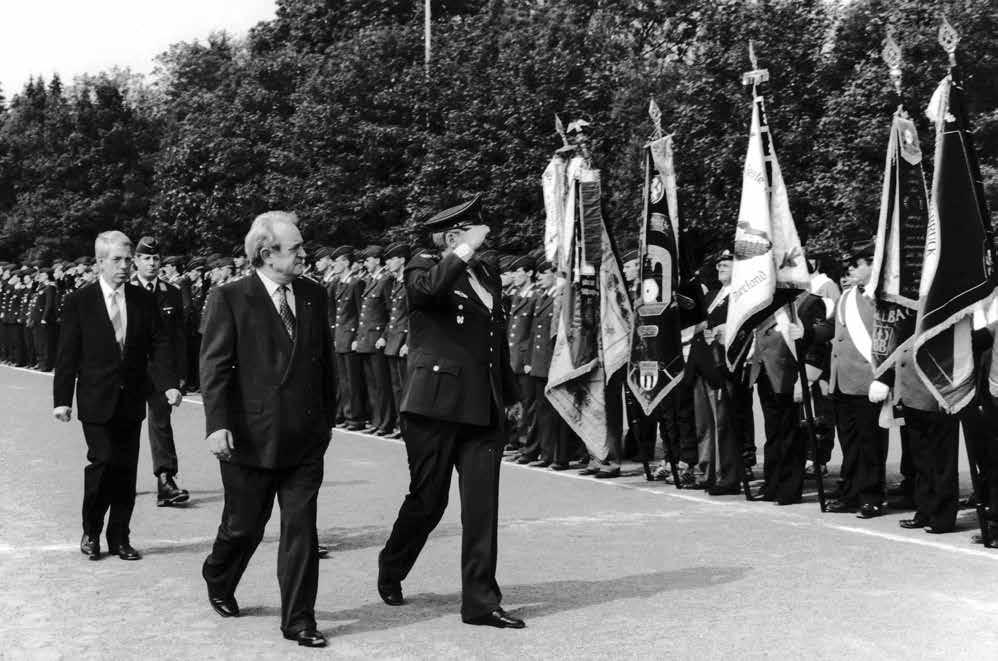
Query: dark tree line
point(326, 109)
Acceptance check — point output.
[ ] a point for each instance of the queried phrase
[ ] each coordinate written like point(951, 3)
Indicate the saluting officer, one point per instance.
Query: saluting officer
point(397, 333)
point(370, 341)
point(452, 412)
point(171, 317)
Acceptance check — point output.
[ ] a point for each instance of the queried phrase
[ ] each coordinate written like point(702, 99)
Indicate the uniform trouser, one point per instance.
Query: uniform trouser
point(725, 469)
point(824, 425)
point(340, 413)
point(435, 448)
point(743, 420)
point(46, 337)
point(933, 439)
point(525, 433)
point(350, 371)
point(378, 379)
point(980, 430)
point(161, 445)
point(30, 350)
point(907, 466)
point(16, 332)
point(704, 424)
point(109, 477)
point(193, 359)
point(615, 414)
point(784, 450)
point(864, 449)
point(4, 342)
point(549, 424)
point(678, 424)
point(249, 500)
point(397, 370)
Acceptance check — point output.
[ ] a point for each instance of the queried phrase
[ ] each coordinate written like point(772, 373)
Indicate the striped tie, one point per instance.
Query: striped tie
point(287, 316)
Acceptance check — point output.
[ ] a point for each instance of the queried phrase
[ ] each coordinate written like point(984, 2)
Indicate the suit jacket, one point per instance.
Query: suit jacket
point(771, 351)
point(541, 342)
point(109, 379)
point(372, 321)
point(349, 290)
point(275, 396)
point(398, 318)
point(520, 321)
point(458, 367)
point(169, 303)
point(850, 372)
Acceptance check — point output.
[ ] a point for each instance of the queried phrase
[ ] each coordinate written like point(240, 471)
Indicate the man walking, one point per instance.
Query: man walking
point(266, 380)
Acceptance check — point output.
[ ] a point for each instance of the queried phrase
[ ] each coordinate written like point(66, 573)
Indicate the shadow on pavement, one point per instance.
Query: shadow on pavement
point(526, 601)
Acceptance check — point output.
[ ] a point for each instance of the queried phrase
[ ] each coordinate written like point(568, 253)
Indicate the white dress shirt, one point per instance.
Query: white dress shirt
point(108, 292)
point(272, 288)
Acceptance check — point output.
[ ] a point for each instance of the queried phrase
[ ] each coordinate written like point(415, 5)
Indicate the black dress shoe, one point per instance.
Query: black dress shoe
point(589, 470)
point(354, 427)
point(540, 463)
point(525, 459)
point(90, 546)
point(390, 592)
point(168, 493)
point(840, 507)
point(607, 473)
point(396, 434)
point(499, 619)
point(871, 510)
point(322, 550)
point(560, 467)
point(918, 521)
point(124, 551)
point(224, 606)
point(719, 490)
point(791, 501)
point(307, 638)
point(938, 530)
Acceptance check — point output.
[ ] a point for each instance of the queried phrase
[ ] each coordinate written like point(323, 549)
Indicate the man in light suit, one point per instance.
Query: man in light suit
point(269, 401)
point(110, 339)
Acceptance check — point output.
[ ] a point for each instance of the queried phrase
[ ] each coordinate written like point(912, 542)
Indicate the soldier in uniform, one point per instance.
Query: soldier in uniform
point(194, 283)
point(171, 316)
point(349, 367)
point(518, 335)
point(27, 324)
point(548, 427)
point(6, 295)
point(397, 333)
point(369, 344)
point(42, 318)
point(452, 412)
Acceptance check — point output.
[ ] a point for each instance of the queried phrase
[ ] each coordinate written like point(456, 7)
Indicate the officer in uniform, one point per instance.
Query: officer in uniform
point(548, 427)
point(349, 367)
point(194, 305)
point(520, 321)
point(171, 315)
point(452, 412)
point(43, 315)
point(397, 333)
point(369, 344)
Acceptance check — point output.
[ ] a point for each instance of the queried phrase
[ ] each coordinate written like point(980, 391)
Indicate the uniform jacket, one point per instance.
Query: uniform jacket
point(850, 372)
point(108, 379)
point(171, 315)
point(43, 304)
point(349, 290)
point(520, 322)
point(398, 318)
point(771, 352)
point(275, 396)
point(375, 302)
point(541, 343)
point(458, 367)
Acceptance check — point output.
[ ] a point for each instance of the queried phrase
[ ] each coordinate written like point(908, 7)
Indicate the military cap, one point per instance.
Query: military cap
point(723, 256)
point(466, 213)
point(629, 255)
point(398, 249)
point(173, 260)
point(80, 260)
point(342, 251)
point(372, 251)
point(147, 245)
point(542, 265)
point(225, 262)
point(46, 270)
point(320, 252)
point(525, 262)
point(239, 251)
point(196, 263)
point(505, 261)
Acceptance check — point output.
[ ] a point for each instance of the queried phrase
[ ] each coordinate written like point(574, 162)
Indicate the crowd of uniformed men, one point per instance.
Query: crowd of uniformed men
point(705, 425)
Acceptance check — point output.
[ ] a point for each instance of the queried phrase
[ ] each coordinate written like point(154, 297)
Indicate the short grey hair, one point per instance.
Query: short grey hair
point(261, 234)
point(104, 241)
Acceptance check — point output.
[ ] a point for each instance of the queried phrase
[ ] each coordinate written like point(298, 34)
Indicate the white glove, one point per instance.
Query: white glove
point(878, 392)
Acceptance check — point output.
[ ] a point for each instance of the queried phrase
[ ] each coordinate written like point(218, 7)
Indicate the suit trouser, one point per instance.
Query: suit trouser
point(743, 420)
point(435, 448)
point(379, 390)
point(396, 369)
point(864, 449)
point(784, 451)
point(933, 439)
point(350, 371)
point(193, 359)
point(725, 470)
point(109, 479)
point(249, 501)
point(980, 429)
point(161, 445)
point(678, 424)
point(824, 425)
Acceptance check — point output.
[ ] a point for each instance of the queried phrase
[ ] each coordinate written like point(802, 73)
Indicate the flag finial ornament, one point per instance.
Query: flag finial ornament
point(892, 57)
point(756, 75)
point(560, 130)
point(948, 39)
point(656, 118)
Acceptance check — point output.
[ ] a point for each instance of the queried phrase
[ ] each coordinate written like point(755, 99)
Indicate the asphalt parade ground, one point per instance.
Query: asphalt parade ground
point(609, 569)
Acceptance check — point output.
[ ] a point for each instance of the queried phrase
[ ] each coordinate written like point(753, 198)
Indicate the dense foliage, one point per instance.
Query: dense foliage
point(327, 110)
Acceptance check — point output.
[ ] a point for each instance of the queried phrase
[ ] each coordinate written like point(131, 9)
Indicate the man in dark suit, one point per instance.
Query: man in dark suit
point(397, 332)
point(110, 344)
point(453, 412)
point(170, 307)
point(266, 380)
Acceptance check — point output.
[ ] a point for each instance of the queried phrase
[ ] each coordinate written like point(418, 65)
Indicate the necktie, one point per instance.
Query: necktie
point(284, 310)
point(149, 286)
point(479, 289)
point(115, 311)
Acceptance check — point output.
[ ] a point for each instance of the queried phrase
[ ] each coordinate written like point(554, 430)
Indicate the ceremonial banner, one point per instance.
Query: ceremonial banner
point(592, 337)
point(556, 235)
point(769, 266)
point(957, 272)
point(897, 262)
point(656, 355)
